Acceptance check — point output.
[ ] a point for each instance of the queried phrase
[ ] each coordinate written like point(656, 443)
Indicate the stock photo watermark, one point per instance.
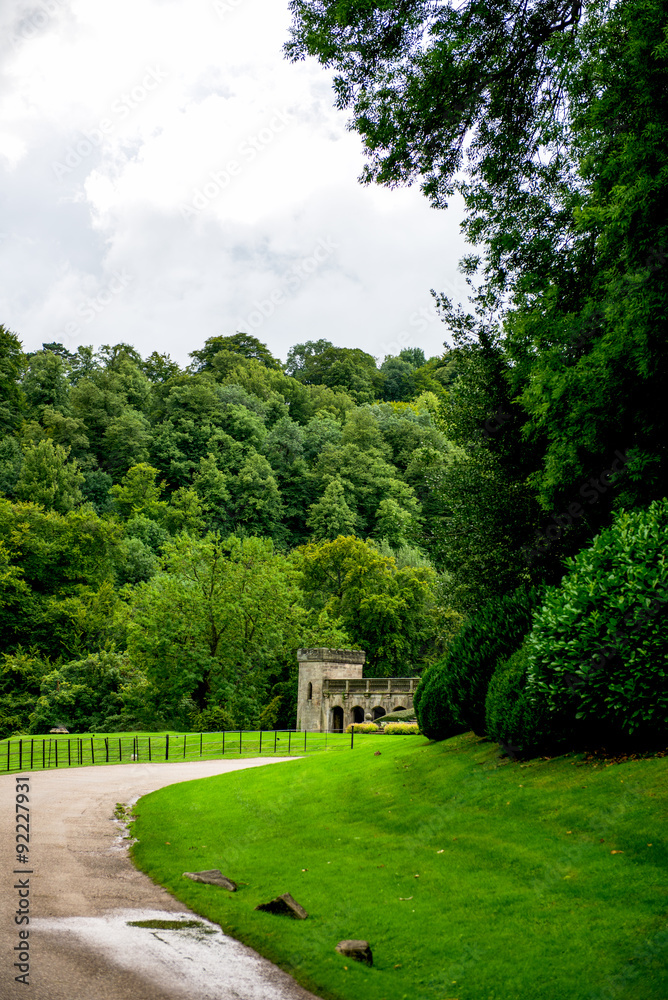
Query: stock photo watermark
point(248, 150)
point(92, 307)
point(22, 881)
point(91, 139)
point(32, 23)
point(223, 7)
point(297, 275)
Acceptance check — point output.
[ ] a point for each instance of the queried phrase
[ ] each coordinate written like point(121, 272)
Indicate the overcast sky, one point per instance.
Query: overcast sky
point(168, 176)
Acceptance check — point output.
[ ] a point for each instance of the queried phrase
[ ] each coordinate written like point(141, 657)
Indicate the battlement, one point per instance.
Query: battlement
point(324, 655)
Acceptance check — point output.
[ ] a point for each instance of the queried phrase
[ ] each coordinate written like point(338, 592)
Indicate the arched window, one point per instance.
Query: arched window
point(337, 719)
point(379, 712)
point(309, 692)
point(358, 714)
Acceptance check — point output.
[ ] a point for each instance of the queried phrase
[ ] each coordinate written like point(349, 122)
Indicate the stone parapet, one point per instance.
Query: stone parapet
point(369, 685)
point(323, 655)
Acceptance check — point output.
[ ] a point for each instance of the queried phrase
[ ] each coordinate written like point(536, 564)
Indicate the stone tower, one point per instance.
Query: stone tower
point(314, 666)
point(333, 693)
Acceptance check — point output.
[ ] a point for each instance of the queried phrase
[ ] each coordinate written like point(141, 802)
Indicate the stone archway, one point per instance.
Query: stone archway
point(337, 719)
point(358, 714)
point(379, 712)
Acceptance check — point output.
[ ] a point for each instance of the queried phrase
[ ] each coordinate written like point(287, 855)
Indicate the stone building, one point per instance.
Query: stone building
point(333, 691)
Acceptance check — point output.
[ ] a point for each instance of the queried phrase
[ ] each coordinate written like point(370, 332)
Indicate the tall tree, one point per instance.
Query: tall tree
point(243, 344)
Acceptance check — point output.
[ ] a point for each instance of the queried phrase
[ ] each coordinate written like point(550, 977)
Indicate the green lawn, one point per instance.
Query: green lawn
point(472, 877)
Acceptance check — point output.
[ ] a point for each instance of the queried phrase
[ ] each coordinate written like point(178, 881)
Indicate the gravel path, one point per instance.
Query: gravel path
point(84, 890)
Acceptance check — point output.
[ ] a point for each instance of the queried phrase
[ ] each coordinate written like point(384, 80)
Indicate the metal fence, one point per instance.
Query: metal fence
point(44, 753)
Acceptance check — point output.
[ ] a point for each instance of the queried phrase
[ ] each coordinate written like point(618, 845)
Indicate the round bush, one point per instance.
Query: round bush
point(451, 697)
point(363, 727)
point(432, 703)
point(519, 722)
point(401, 729)
point(598, 650)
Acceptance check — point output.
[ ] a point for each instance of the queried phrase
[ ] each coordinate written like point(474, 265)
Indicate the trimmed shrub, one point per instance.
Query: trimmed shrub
point(82, 694)
point(598, 650)
point(212, 720)
point(432, 703)
point(363, 727)
point(451, 697)
point(401, 729)
point(514, 719)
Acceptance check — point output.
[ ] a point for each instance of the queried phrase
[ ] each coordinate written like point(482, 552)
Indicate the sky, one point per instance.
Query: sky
point(167, 176)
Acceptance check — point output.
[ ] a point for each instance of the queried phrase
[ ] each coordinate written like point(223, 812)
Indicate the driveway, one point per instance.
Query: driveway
point(83, 890)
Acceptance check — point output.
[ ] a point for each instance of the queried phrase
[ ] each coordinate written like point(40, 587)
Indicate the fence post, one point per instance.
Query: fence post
point(149, 748)
point(56, 746)
point(69, 753)
point(167, 747)
point(184, 745)
point(304, 741)
point(20, 755)
point(289, 738)
point(200, 744)
point(8, 744)
point(43, 753)
point(106, 749)
point(352, 735)
point(92, 751)
point(223, 742)
point(32, 743)
point(260, 741)
point(275, 738)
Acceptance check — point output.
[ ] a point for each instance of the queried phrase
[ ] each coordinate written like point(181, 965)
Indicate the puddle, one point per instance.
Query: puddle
point(191, 957)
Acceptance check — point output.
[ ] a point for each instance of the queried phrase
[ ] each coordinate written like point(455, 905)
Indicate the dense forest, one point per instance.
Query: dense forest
point(170, 537)
point(494, 516)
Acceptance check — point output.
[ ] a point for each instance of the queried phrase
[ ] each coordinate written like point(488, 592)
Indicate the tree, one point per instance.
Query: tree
point(256, 499)
point(347, 368)
point(20, 678)
point(139, 493)
point(12, 362)
point(429, 83)
point(385, 610)
point(45, 383)
point(81, 694)
point(331, 516)
point(239, 343)
point(300, 354)
point(211, 486)
point(550, 119)
point(59, 568)
point(47, 478)
point(126, 441)
point(208, 629)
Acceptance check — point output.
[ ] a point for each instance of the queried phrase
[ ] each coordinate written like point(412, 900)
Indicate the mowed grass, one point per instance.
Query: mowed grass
point(472, 877)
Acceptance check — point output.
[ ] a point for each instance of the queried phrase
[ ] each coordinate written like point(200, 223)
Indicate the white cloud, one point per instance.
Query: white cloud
point(168, 177)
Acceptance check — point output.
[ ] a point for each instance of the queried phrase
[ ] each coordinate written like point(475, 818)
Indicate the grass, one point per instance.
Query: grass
point(37, 753)
point(472, 877)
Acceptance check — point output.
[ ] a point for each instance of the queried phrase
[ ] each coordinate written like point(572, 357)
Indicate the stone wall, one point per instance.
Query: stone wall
point(316, 665)
point(333, 693)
